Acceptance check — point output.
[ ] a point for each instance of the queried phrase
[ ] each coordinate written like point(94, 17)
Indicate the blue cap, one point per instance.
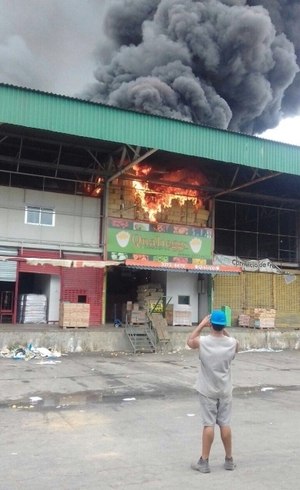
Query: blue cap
point(218, 318)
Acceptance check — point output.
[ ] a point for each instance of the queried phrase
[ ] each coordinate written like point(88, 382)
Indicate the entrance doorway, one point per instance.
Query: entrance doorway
point(122, 284)
point(7, 297)
point(47, 286)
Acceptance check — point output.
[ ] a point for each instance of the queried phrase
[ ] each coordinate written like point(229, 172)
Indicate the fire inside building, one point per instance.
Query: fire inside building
point(117, 212)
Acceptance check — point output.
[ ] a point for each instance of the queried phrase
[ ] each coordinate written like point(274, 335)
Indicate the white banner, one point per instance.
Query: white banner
point(263, 265)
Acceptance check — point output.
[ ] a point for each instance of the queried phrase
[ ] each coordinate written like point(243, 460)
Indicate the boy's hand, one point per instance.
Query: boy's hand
point(207, 319)
point(205, 322)
point(193, 339)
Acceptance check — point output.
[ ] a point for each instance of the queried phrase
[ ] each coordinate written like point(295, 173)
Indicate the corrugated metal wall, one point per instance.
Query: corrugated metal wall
point(8, 269)
point(34, 109)
point(259, 290)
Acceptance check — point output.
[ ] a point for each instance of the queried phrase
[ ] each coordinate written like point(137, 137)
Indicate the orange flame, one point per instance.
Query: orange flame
point(154, 197)
point(94, 189)
point(144, 170)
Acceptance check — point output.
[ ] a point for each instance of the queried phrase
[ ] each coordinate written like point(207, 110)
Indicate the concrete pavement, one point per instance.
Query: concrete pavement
point(117, 421)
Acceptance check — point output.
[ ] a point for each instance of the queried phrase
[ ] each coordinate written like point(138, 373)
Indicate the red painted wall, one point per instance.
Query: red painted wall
point(88, 282)
point(85, 281)
point(39, 269)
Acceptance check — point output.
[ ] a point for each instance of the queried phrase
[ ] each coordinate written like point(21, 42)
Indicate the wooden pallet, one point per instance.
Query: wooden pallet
point(160, 326)
point(253, 327)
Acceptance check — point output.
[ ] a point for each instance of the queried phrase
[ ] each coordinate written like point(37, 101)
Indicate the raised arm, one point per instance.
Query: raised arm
point(227, 335)
point(193, 339)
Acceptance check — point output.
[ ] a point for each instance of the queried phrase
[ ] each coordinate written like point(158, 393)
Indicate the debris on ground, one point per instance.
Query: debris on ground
point(29, 352)
point(260, 350)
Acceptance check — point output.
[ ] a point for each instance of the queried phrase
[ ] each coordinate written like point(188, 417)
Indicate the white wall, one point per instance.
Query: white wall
point(183, 284)
point(77, 221)
point(53, 299)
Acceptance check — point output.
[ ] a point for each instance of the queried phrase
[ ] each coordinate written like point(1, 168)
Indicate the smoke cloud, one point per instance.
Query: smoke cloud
point(222, 63)
point(49, 44)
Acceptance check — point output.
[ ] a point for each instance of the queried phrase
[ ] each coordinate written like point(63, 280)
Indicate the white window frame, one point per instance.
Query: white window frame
point(40, 211)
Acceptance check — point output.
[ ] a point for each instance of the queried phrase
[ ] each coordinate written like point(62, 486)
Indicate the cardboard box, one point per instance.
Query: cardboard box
point(74, 315)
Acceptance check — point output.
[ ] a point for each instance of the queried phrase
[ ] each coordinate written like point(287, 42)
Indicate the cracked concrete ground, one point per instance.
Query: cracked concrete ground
point(117, 421)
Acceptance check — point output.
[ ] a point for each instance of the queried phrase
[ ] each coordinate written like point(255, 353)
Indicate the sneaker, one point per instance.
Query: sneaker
point(202, 466)
point(229, 464)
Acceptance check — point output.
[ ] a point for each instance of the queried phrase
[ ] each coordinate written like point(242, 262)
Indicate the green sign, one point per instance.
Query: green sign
point(158, 242)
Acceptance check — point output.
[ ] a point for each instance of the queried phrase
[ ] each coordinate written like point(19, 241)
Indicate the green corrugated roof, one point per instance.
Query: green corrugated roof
point(61, 114)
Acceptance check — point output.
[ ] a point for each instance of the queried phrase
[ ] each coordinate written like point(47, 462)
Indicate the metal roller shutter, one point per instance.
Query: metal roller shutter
point(8, 269)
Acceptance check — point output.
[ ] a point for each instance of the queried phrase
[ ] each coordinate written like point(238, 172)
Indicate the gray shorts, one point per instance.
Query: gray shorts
point(215, 411)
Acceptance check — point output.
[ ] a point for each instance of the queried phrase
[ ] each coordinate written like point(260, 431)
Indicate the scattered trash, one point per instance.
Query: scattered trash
point(5, 351)
point(35, 399)
point(29, 352)
point(48, 362)
point(20, 353)
point(42, 351)
point(25, 407)
point(267, 388)
point(260, 350)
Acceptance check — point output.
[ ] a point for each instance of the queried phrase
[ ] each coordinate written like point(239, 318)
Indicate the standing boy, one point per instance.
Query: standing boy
point(216, 352)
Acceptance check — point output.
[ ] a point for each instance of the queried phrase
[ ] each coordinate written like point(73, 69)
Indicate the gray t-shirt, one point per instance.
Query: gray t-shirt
point(215, 354)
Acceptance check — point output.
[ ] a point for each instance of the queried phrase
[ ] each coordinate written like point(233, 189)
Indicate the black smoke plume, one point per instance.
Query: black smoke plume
point(222, 63)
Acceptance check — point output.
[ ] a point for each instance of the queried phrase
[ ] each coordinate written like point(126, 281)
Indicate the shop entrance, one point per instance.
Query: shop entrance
point(122, 284)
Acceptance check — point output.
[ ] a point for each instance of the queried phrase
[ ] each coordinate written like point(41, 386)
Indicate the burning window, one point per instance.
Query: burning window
point(179, 187)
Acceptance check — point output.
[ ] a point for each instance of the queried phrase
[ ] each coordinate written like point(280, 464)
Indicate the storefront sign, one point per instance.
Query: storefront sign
point(169, 266)
point(264, 265)
point(158, 242)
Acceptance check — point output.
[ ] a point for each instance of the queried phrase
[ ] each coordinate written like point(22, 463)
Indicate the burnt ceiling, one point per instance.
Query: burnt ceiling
point(61, 163)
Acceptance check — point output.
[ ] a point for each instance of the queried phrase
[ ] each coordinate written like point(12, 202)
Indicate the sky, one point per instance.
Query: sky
point(288, 131)
point(54, 46)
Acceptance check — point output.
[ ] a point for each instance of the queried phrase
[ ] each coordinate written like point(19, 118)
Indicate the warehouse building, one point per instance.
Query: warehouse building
point(119, 210)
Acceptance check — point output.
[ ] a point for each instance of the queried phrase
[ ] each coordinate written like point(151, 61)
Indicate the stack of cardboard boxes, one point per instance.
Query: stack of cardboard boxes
point(135, 315)
point(72, 315)
point(258, 318)
point(121, 202)
point(149, 298)
point(124, 202)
